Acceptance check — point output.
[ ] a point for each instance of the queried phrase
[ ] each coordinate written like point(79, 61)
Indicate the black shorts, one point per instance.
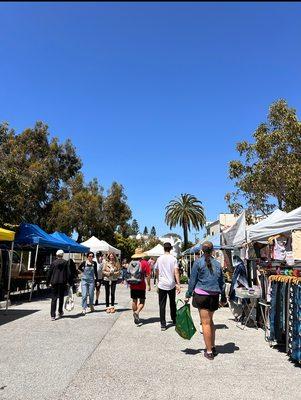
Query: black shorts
point(138, 294)
point(205, 302)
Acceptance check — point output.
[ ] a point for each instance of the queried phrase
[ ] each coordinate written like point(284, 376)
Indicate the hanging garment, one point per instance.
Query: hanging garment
point(296, 245)
point(279, 249)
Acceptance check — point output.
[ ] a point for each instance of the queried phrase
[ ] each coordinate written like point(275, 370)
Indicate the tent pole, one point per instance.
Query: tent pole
point(21, 261)
point(9, 275)
point(34, 271)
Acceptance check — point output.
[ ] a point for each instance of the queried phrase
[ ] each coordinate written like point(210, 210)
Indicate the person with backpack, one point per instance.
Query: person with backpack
point(206, 283)
point(138, 270)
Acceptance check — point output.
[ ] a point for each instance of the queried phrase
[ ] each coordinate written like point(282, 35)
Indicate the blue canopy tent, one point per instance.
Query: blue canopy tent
point(31, 235)
point(73, 246)
point(215, 239)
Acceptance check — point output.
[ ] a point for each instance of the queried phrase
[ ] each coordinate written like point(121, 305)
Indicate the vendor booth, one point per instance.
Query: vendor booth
point(73, 246)
point(156, 251)
point(7, 236)
point(267, 270)
point(31, 237)
point(100, 245)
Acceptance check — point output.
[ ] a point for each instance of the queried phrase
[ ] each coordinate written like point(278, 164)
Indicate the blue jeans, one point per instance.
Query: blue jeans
point(88, 287)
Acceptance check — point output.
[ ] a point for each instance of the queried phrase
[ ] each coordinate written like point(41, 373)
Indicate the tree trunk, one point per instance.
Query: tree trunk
point(185, 234)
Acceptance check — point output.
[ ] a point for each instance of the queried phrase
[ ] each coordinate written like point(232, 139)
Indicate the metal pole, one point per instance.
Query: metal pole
point(21, 260)
point(34, 271)
point(9, 275)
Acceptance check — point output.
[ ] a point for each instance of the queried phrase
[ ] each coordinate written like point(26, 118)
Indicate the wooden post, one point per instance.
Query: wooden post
point(34, 271)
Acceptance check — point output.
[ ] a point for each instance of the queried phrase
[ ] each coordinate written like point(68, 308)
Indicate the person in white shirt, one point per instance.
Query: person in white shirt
point(167, 272)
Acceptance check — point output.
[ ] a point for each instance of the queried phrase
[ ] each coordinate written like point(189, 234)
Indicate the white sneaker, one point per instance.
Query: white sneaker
point(84, 311)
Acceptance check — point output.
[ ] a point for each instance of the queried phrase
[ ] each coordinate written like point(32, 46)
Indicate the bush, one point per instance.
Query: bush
point(183, 279)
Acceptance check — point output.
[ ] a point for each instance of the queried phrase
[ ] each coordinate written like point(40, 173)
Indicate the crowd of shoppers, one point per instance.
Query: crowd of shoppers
point(206, 285)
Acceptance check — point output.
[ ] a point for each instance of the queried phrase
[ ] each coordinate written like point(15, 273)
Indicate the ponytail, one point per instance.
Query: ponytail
point(207, 250)
point(208, 262)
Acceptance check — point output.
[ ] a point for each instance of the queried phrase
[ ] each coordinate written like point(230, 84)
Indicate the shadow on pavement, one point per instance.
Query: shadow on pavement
point(221, 326)
point(228, 348)
point(191, 352)
point(151, 320)
point(12, 315)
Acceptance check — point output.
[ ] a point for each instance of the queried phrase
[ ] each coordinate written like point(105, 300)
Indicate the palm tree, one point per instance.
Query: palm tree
point(185, 211)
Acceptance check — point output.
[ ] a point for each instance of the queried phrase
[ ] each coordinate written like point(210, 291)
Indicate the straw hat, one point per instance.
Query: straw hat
point(139, 253)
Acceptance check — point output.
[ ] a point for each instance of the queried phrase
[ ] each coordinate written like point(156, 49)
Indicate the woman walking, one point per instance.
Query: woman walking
point(111, 273)
point(89, 275)
point(205, 285)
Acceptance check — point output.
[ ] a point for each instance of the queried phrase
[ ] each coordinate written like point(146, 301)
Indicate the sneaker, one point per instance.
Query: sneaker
point(84, 311)
point(92, 308)
point(163, 328)
point(61, 314)
point(136, 318)
point(96, 303)
point(209, 356)
point(52, 318)
point(214, 352)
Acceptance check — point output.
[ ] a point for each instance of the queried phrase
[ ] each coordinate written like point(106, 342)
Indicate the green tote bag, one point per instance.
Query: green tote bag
point(184, 323)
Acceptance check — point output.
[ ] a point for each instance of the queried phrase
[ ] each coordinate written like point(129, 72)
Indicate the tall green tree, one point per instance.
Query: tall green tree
point(145, 231)
point(80, 209)
point(267, 175)
point(116, 212)
point(186, 211)
point(153, 231)
point(33, 168)
point(135, 227)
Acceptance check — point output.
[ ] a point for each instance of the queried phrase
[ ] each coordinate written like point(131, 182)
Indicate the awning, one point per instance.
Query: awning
point(74, 247)
point(33, 235)
point(6, 235)
point(214, 239)
point(100, 245)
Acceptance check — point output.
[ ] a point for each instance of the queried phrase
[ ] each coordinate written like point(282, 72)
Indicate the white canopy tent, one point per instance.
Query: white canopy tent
point(236, 235)
point(286, 222)
point(258, 229)
point(100, 245)
point(156, 251)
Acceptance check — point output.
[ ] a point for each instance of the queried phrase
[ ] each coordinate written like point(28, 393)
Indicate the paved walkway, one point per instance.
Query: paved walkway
point(101, 356)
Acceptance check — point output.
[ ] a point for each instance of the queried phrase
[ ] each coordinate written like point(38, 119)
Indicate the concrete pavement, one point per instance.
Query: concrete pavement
point(102, 356)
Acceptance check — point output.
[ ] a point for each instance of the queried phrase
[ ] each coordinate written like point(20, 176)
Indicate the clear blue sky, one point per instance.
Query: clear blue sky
point(153, 95)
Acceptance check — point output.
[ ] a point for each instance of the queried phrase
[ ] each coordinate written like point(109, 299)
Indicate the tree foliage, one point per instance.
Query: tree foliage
point(145, 231)
point(153, 231)
point(41, 182)
point(32, 170)
point(134, 227)
point(186, 211)
point(268, 173)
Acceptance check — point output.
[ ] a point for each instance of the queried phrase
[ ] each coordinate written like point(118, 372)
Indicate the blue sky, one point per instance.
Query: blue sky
point(153, 95)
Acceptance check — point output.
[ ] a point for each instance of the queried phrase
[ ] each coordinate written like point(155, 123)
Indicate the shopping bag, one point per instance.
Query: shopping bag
point(184, 323)
point(69, 303)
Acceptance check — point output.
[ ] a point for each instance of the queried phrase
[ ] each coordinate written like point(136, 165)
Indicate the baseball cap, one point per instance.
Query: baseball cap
point(60, 253)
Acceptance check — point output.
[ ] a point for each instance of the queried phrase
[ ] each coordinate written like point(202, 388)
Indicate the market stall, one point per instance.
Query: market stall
point(100, 245)
point(7, 236)
point(270, 261)
point(32, 237)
